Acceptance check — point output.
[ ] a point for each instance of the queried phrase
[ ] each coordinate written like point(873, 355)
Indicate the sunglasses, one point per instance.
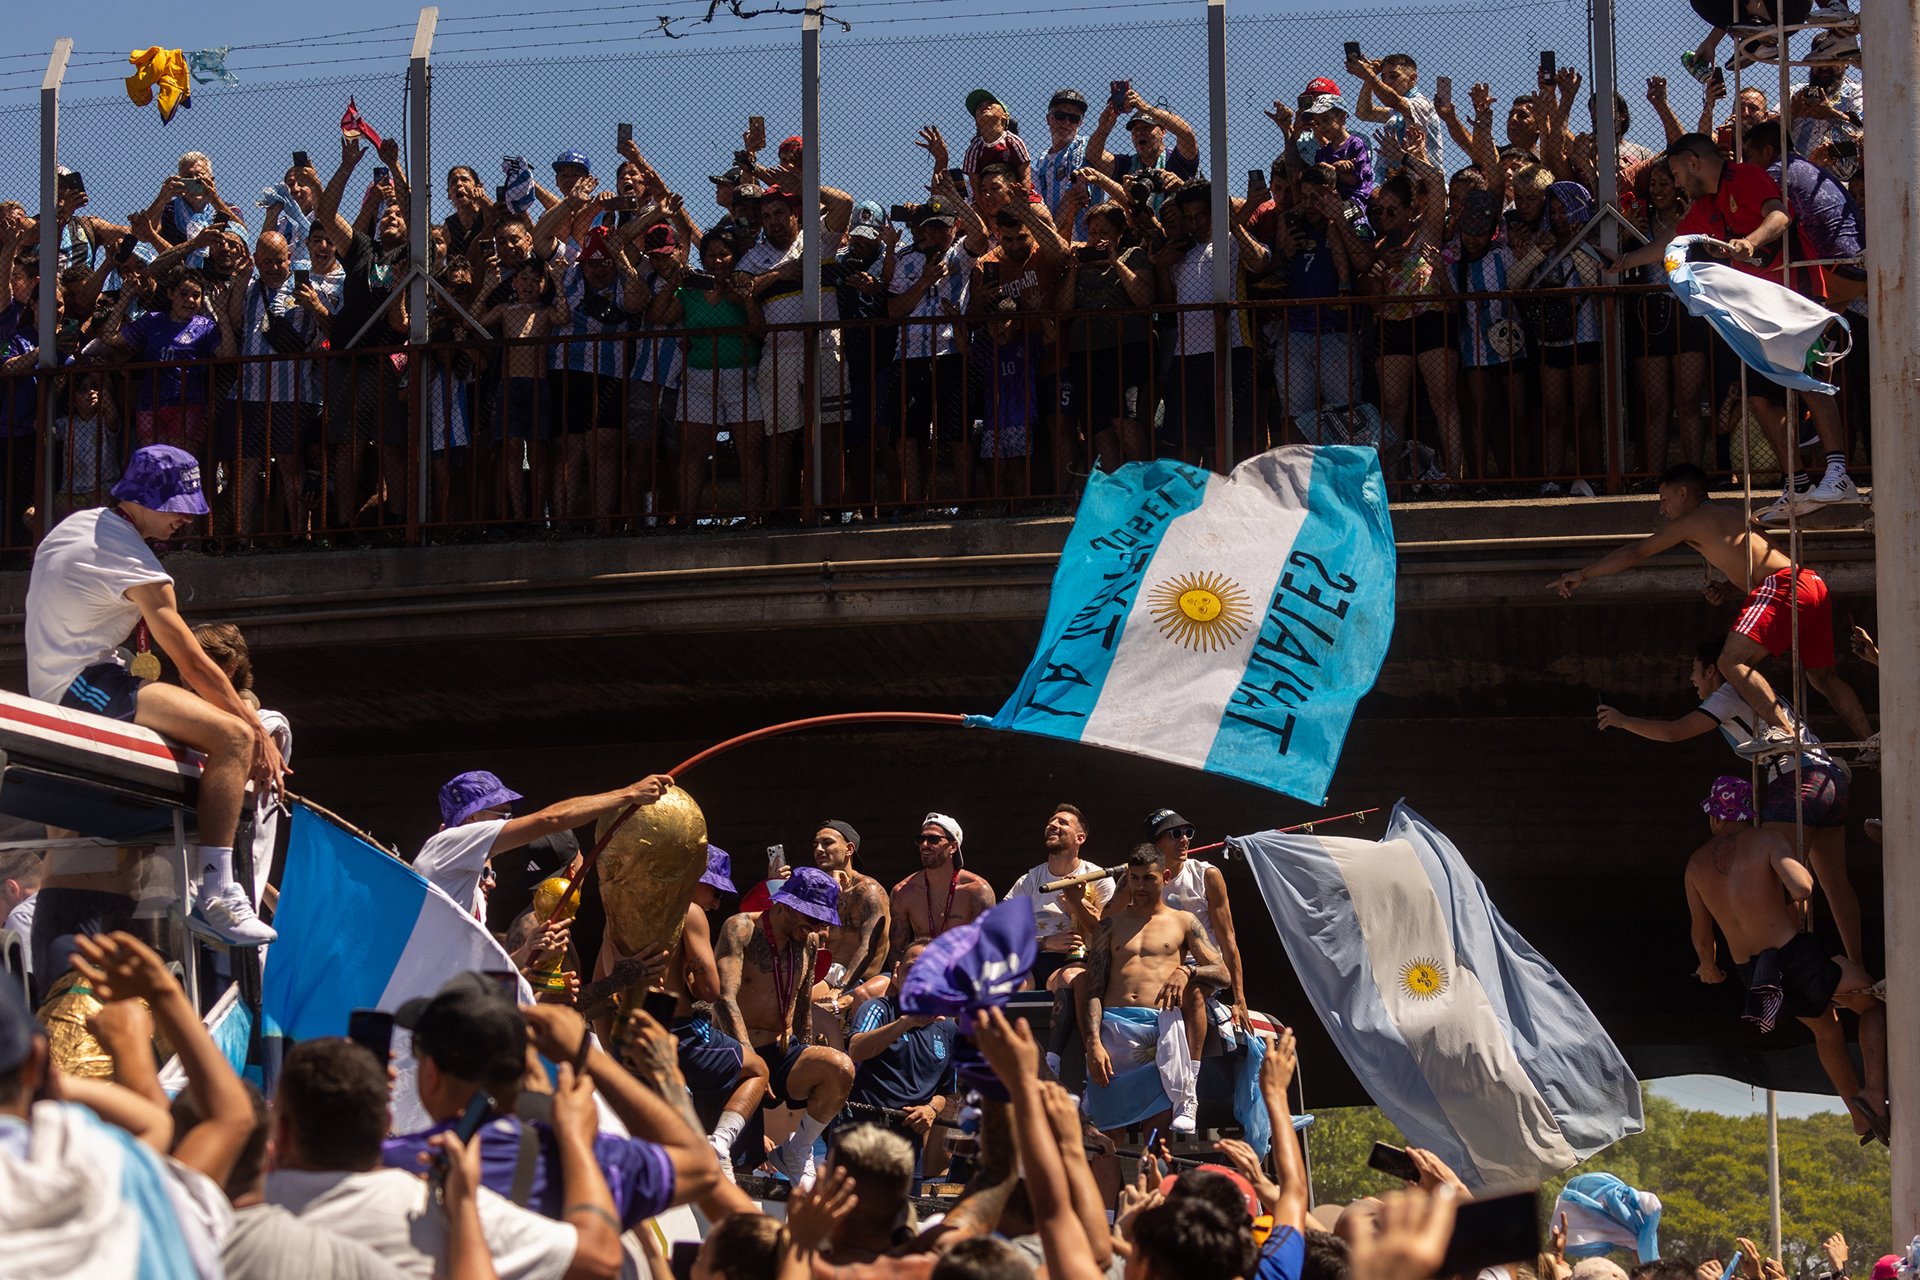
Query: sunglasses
point(925, 839)
point(1185, 833)
point(1072, 116)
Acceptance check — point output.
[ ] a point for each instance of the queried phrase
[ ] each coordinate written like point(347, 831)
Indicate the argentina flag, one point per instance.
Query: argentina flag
point(1228, 623)
point(1775, 332)
point(1464, 1035)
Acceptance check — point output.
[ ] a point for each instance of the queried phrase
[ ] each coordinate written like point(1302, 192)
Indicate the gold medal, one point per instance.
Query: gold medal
point(145, 666)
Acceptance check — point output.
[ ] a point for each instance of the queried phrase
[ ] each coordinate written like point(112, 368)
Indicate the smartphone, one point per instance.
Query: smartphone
point(623, 134)
point(626, 204)
point(1489, 1232)
point(300, 160)
point(506, 979)
point(698, 280)
point(381, 175)
point(776, 860)
point(1547, 69)
point(302, 277)
point(659, 1005)
point(1396, 1163)
point(500, 194)
point(1117, 91)
point(1090, 254)
point(1442, 90)
point(222, 219)
point(124, 250)
point(1256, 181)
point(370, 1028)
point(756, 133)
point(1352, 48)
point(680, 1261)
point(901, 213)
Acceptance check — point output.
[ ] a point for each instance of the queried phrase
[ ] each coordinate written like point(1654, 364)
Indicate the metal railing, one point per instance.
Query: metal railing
point(994, 413)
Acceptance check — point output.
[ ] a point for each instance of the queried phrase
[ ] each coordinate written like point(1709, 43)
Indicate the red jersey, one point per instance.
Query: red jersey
point(1736, 209)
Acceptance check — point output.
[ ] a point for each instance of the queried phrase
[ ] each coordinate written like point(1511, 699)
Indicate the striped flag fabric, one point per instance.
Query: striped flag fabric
point(1463, 1034)
point(1229, 623)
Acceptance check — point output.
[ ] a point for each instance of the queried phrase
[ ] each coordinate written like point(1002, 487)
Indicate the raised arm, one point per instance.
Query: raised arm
point(327, 212)
point(1690, 725)
point(1657, 99)
point(1098, 157)
point(1620, 559)
point(583, 1187)
point(1483, 149)
point(1186, 142)
point(577, 812)
point(1371, 87)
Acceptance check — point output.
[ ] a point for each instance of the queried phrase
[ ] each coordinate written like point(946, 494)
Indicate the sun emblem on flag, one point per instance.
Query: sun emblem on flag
point(1423, 978)
point(1203, 611)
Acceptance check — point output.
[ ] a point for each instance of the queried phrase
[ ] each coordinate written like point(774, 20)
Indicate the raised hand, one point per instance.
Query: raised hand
point(1656, 90)
point(118, 966)
point(1835, 1245)
point(1411, 1240)
point(650, 788)
point(1481, 96)
point(1250, 1167)
point(934, 145)
point(1281, 115)
point(812, 1215)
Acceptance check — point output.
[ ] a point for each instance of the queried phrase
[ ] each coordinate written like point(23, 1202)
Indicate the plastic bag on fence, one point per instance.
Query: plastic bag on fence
point(1350, 424)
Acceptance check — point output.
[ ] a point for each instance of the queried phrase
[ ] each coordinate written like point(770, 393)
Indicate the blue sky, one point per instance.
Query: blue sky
point(1731, 1098)
point(534, 77)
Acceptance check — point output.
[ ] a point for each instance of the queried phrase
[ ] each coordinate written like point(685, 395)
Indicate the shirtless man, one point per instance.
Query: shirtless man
point(710, 1059)
point(939, 895)
point(1765, 625)
point(1130, 1014)
point(765, 960)
point(1196, 886)
point(855, 944)
point(1748, 881)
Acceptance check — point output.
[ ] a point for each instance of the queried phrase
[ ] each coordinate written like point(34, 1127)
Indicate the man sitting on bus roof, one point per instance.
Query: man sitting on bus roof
point(94, 581)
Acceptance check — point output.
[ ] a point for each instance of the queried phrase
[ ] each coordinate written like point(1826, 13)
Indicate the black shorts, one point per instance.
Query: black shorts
point(1567, 357)
point(925, 398)
point(1427, 331)
point(650, 413)
point(1657, 325)
point(1048, 963)
point(1101, 385)
point(1823, 795)
point(260, 428)
point(709, 1058)
point(585, 401)
point(363, 401)
point(1725, 13)
point(779, 1067)
point(106, 689)
point(1806, 975)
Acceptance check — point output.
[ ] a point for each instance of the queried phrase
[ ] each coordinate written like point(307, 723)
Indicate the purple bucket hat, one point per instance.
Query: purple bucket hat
point(160, 477)
point(811, 892)
point(1730, 800)
point(471, 792)
point(719, 871)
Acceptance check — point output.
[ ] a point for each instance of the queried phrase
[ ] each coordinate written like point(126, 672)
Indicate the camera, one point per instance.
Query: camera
point(702, 280)
point(625, 204)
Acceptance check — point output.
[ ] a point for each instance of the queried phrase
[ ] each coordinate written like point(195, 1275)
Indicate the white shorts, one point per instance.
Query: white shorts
point(718, 397)
point(783, 384)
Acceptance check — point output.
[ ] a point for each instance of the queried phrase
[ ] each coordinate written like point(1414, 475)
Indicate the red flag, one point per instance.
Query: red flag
point(353, 121)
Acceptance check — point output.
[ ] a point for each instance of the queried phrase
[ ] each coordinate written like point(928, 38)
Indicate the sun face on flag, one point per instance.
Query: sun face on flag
point(1423, 978)
point(1202, 611)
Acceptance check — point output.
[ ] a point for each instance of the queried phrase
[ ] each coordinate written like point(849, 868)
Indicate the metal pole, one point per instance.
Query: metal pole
point(420, 176)
point(48, 303)
point(1606, 145)
point(1773, 1172)
point(812, 231)
point(1222, 234)
point(1890, 43)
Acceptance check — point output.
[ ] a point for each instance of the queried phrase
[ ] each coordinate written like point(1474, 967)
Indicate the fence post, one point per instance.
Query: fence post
point(48, 302)
point(1606, 144)
point(1222, 234)
point(419, 251)
point(813, 247)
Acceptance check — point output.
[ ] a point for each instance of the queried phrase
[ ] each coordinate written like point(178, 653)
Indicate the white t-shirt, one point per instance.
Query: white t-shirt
point(266, 812)
point(20, 920)
point(786, 302)
point(454, 857)
point(1193, 282)
point(393, 1213)
point(77, 606)
point(1739, 726)
point(948, 297)
point(1049, 917)
point(268, 1243)
point(1187, 891)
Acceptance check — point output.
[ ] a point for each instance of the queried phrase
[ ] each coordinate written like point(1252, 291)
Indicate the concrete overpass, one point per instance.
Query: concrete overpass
point(572, 666)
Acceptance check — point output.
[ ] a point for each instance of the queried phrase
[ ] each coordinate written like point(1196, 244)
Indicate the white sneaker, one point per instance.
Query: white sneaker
point(229, 917)
point(796, 1167)
point(1788, 503)
point(726, 1157)
point(1833, 48)
point(1773, 741)
point(1869, 757)
point(1184, 1122)
point(1754, 49)
point(1835, 486)
point(1580, 489)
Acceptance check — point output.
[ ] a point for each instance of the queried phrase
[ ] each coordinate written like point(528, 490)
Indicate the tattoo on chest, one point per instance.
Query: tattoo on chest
point(759, 952)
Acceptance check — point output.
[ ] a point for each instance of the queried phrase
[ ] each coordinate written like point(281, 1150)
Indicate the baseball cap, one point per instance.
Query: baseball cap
point(719, 872)
point(660, 238)
point(934, 210)
point(868, 218)
point(1067, 95)
point(749, 191)
point(1161, 821)
point(469, 1028)
point(845, 829)
point(811, 892)
point(18, 1030)
point(1142, 120)
point(777, 193)
point(731, 178)
point(1238, 1179)
point(1887, 1268)
point(574, 157)
point(1480, 213)
point(1730, 799)
point(594, 244)
point(160, 477)
point(946, 824)
point(469, 793)
point(795, 143)
point(1323, 103)
point(1321, 86)
point(980, 98)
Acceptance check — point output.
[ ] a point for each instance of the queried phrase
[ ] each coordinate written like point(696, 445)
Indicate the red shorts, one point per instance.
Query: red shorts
point(1767, 617)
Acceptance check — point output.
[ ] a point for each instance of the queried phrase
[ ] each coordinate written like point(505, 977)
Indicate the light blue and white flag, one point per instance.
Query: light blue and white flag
point(1464, 1035)
point(1228, 623)
point(1776, 332)
point(360, 930)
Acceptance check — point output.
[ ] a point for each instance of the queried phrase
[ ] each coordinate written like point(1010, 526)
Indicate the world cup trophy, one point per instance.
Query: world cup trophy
point(647, 874)
point(548, 972)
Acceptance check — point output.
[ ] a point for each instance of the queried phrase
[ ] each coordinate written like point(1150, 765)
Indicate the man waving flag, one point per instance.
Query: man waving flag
point(1229, 623)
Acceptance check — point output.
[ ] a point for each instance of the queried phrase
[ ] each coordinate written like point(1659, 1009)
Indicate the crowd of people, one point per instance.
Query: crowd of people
point(1411, 272)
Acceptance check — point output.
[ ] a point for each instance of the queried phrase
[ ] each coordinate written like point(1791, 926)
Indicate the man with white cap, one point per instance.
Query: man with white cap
point(477, 824)
point(95, 580)
point(940, 894)
point(766, 962)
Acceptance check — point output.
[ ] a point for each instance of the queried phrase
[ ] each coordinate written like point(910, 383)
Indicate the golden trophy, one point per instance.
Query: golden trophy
point(647, 874)
point(547, 971)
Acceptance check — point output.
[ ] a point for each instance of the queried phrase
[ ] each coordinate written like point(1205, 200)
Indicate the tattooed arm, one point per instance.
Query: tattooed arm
point(900, 926)
point(866, 914)
point(1220, 911)
point(1210, 970)
point(1099, 959)
point(799, 1011)
point(735, 936)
